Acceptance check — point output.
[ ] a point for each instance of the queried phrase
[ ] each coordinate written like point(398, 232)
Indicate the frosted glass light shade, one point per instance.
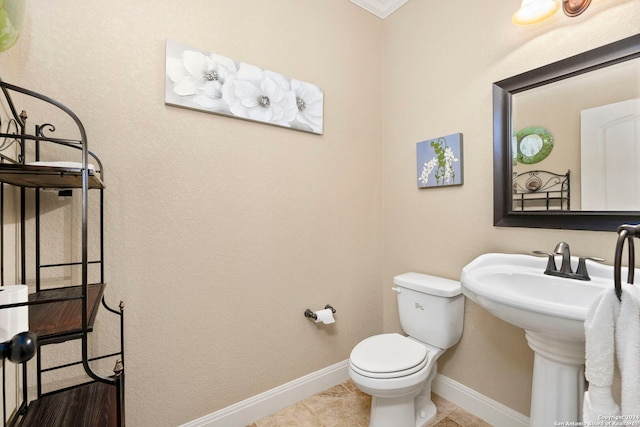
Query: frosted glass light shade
point(532, 11)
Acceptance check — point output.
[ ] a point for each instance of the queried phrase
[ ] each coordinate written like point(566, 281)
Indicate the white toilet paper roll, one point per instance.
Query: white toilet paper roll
point(325, 316)
point(16, 319)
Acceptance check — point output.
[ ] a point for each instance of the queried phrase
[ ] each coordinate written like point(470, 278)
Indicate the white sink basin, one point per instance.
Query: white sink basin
point(552, 311)
point(514, 288)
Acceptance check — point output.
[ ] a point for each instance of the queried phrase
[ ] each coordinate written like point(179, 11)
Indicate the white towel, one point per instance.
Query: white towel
point(599, 328)
point(597, 404)
point(628, 353)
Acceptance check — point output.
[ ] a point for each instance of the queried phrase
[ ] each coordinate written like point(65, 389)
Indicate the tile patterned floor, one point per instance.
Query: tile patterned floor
point(346, 406)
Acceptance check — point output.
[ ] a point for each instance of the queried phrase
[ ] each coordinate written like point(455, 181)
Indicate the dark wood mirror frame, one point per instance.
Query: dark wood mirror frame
point(503, 214)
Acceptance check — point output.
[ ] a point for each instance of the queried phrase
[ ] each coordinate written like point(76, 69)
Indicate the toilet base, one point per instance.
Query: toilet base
point(413, 410)
point(425, 409)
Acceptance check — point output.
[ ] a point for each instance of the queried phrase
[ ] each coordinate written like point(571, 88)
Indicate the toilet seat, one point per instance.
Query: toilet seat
point(388, 356)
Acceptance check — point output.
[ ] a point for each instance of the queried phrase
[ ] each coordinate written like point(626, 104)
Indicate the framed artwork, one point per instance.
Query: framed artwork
point(440, 161)
point(213, 83)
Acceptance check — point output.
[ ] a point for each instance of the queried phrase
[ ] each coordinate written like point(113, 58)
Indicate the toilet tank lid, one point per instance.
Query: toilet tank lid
point(426, 283)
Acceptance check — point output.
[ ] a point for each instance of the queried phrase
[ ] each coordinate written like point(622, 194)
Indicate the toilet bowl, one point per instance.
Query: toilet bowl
point(410, 366)
point(397, 370)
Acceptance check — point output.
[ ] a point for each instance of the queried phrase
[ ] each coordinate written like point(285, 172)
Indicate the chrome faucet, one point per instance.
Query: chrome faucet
point(562, 248)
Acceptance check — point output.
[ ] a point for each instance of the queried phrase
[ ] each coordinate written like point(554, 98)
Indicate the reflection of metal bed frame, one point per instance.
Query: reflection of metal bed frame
point(541, 190)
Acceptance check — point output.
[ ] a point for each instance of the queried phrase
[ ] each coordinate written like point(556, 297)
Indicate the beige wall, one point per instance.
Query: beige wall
point(221, 232)
point(440, 61)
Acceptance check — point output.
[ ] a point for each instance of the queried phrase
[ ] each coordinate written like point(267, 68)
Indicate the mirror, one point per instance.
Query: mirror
point(567, 80)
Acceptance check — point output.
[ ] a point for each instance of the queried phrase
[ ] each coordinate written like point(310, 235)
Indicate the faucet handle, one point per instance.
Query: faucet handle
point(551, 261)
point(581, 272)
point(542, 253)
point(592, 258)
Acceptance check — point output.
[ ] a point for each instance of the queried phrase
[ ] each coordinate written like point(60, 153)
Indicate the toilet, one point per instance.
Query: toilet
point(397, 370)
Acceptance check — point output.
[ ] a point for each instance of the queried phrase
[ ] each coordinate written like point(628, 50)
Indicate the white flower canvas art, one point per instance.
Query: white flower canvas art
point(440, 161)
point(213, 83)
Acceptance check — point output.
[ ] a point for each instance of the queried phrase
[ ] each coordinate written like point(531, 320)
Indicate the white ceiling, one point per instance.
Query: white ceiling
point(380, 8)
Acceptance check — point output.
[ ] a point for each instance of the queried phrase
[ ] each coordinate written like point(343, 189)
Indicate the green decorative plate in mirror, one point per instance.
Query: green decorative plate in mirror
point(534, 144)
point(11, 19)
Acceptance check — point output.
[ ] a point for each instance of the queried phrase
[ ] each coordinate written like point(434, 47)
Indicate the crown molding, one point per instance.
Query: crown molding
point(380, 8)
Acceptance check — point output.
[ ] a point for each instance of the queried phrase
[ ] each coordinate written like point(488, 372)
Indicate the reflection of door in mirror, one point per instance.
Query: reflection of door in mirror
point(610, 156)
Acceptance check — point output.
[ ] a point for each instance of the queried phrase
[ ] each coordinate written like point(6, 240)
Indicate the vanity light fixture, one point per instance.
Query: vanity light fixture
point(534, 11)
point(575, 7)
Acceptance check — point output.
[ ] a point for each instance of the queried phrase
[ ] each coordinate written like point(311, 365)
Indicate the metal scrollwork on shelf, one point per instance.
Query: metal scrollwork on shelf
point(13, 131)
point(541, 189)
point(535, 183)
point(8, 138)
point(41, 129)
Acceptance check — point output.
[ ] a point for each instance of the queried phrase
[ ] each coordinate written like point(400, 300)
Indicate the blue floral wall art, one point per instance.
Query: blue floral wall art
point(440, 161)
point(213, 83)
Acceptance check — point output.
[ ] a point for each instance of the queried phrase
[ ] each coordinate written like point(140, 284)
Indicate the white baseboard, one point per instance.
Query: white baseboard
point(489, 410)
point(259, 406)
point(256, 407)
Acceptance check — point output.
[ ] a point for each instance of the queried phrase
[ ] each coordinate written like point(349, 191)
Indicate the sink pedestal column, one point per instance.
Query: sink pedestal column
point(558, 380)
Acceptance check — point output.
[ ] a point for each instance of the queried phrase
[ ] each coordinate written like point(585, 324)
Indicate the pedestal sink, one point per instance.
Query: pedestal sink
point(552, 311)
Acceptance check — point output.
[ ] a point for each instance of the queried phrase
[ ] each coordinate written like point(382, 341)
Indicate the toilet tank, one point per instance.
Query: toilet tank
point(431, 308)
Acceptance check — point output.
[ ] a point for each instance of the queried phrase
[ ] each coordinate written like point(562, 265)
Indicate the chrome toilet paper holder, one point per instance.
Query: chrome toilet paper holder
point(311, 315)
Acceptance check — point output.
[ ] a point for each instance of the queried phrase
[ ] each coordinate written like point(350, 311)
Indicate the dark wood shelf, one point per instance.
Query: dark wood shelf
point(62, 320)
point(94, 404)
point(46, 176)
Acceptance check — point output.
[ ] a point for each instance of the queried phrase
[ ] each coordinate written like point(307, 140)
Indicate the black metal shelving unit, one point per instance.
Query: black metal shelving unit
point(65, 311)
